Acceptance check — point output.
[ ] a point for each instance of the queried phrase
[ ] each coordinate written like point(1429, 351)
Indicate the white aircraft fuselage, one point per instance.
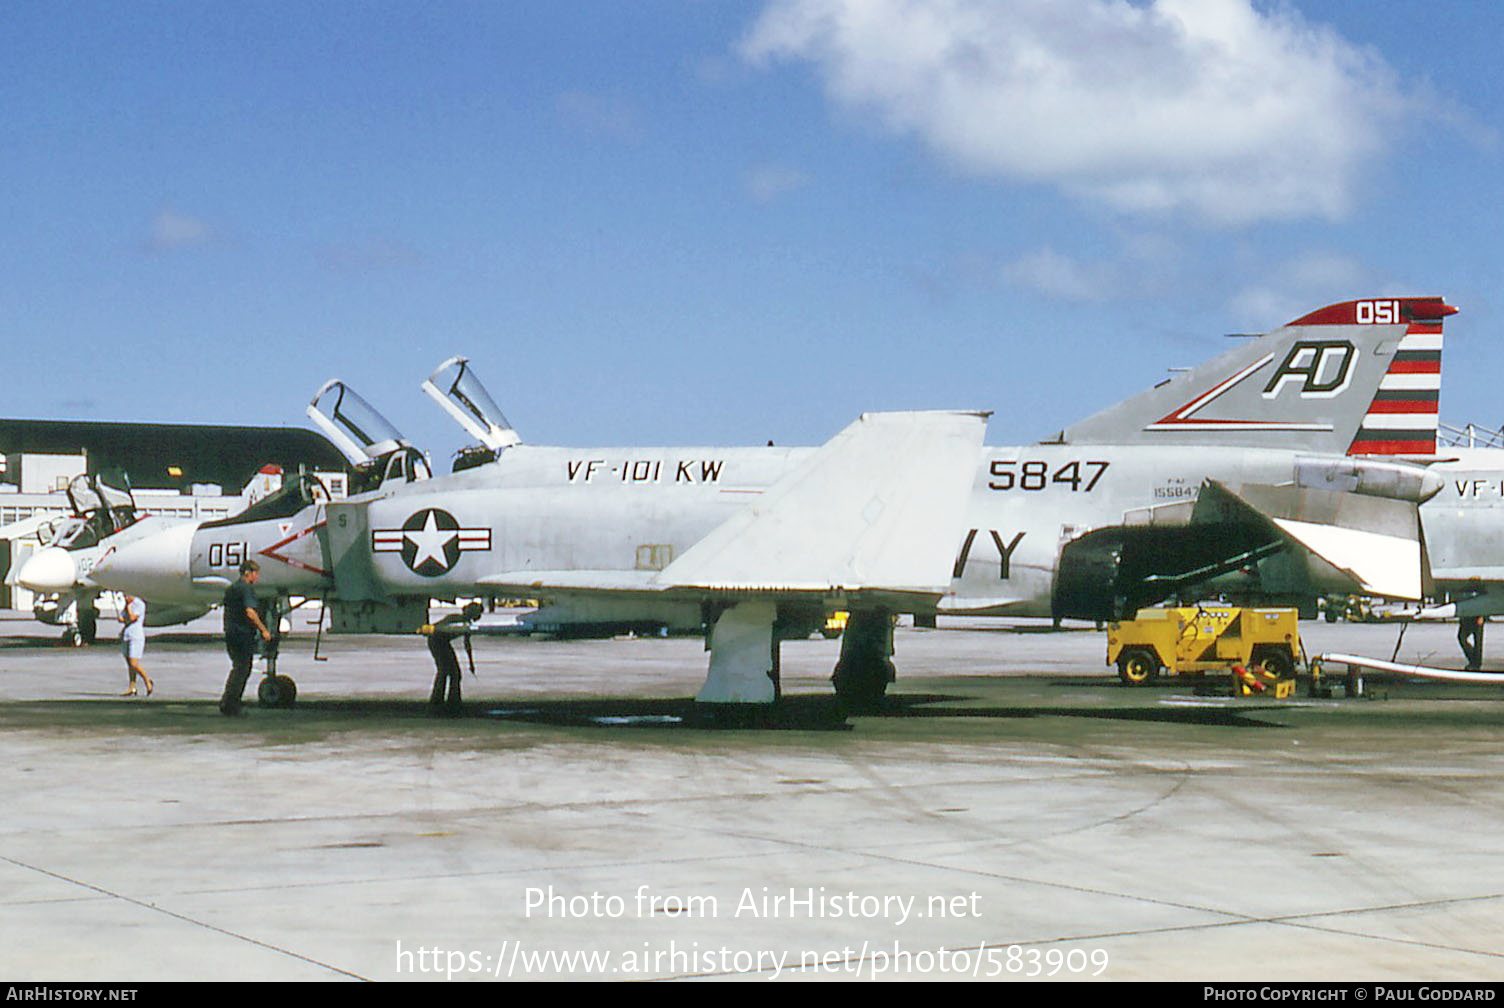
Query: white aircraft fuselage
point(548, 509)
point(1179, 484)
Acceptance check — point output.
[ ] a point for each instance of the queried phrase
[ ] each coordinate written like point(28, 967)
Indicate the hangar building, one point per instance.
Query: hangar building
point(192, 471)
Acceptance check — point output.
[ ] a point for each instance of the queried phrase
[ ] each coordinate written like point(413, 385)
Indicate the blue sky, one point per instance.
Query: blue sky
point(678, 221)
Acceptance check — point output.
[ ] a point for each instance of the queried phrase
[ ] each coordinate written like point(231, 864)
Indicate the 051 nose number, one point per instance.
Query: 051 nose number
point(228, 554)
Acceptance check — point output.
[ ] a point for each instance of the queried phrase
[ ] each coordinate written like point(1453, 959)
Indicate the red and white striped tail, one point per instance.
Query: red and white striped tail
point(1402, 418)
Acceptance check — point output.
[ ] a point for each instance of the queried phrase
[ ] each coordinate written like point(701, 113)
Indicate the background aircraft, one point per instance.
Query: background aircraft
point(1464, 530)
point(104, 517)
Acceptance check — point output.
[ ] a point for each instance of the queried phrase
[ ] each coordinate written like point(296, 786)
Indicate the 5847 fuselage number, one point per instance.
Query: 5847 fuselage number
point(1014, 474)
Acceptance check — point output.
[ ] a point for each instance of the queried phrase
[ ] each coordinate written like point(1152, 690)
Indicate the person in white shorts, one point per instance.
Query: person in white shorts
point(133, 641)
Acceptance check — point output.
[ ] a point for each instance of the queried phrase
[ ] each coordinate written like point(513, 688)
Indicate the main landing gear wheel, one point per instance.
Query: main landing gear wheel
point(1137, 666)
point(277, 691)
point(862, 687)
point(88, 624)
point(864, 670)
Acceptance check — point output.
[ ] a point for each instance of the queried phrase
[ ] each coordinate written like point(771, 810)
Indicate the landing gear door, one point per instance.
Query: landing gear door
point(457, 390)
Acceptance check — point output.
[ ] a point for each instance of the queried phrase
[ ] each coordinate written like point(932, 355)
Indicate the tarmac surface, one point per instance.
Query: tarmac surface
point(1011, 812)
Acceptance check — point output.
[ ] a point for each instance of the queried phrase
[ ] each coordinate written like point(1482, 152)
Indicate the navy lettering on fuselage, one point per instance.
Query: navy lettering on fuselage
point(1478, 489)
point(644, 471)
point(1004, 553)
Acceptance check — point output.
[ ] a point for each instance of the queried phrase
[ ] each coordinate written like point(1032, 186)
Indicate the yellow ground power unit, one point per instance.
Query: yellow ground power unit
point(1258, 646)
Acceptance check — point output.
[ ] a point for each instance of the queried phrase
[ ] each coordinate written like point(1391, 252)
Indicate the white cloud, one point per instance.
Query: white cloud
point(1216, 107)
point(171, 230)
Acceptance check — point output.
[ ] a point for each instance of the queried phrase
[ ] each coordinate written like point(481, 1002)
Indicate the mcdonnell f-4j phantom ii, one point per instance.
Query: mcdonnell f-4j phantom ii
point(1266, 450)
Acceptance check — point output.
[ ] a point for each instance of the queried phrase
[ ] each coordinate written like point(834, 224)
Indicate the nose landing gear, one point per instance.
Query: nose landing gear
point(275, 690)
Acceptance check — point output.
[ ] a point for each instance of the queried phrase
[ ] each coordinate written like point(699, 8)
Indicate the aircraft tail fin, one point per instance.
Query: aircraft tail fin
point(1358, 377)
point(1402, 416)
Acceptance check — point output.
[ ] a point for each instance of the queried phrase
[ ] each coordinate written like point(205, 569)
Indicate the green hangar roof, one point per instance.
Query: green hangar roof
point(162, 456)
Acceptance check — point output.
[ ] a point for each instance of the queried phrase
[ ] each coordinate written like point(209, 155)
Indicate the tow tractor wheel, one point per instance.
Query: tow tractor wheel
point(277, 691)
point(1137, 666)
point(1276, 663)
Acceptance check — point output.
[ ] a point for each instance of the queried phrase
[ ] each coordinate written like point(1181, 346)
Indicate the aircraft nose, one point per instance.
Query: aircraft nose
point(48, 571)
point(155, 566)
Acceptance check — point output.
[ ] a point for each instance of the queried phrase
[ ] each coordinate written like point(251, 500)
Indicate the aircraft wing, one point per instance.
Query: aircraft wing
point(523, 582)
point(1376, 541)
point(873, 511)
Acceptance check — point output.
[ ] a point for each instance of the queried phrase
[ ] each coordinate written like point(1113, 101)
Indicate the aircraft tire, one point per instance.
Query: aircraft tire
point(277, 691)
point(1138, 666)
point(863, 671)
point(861, 686)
